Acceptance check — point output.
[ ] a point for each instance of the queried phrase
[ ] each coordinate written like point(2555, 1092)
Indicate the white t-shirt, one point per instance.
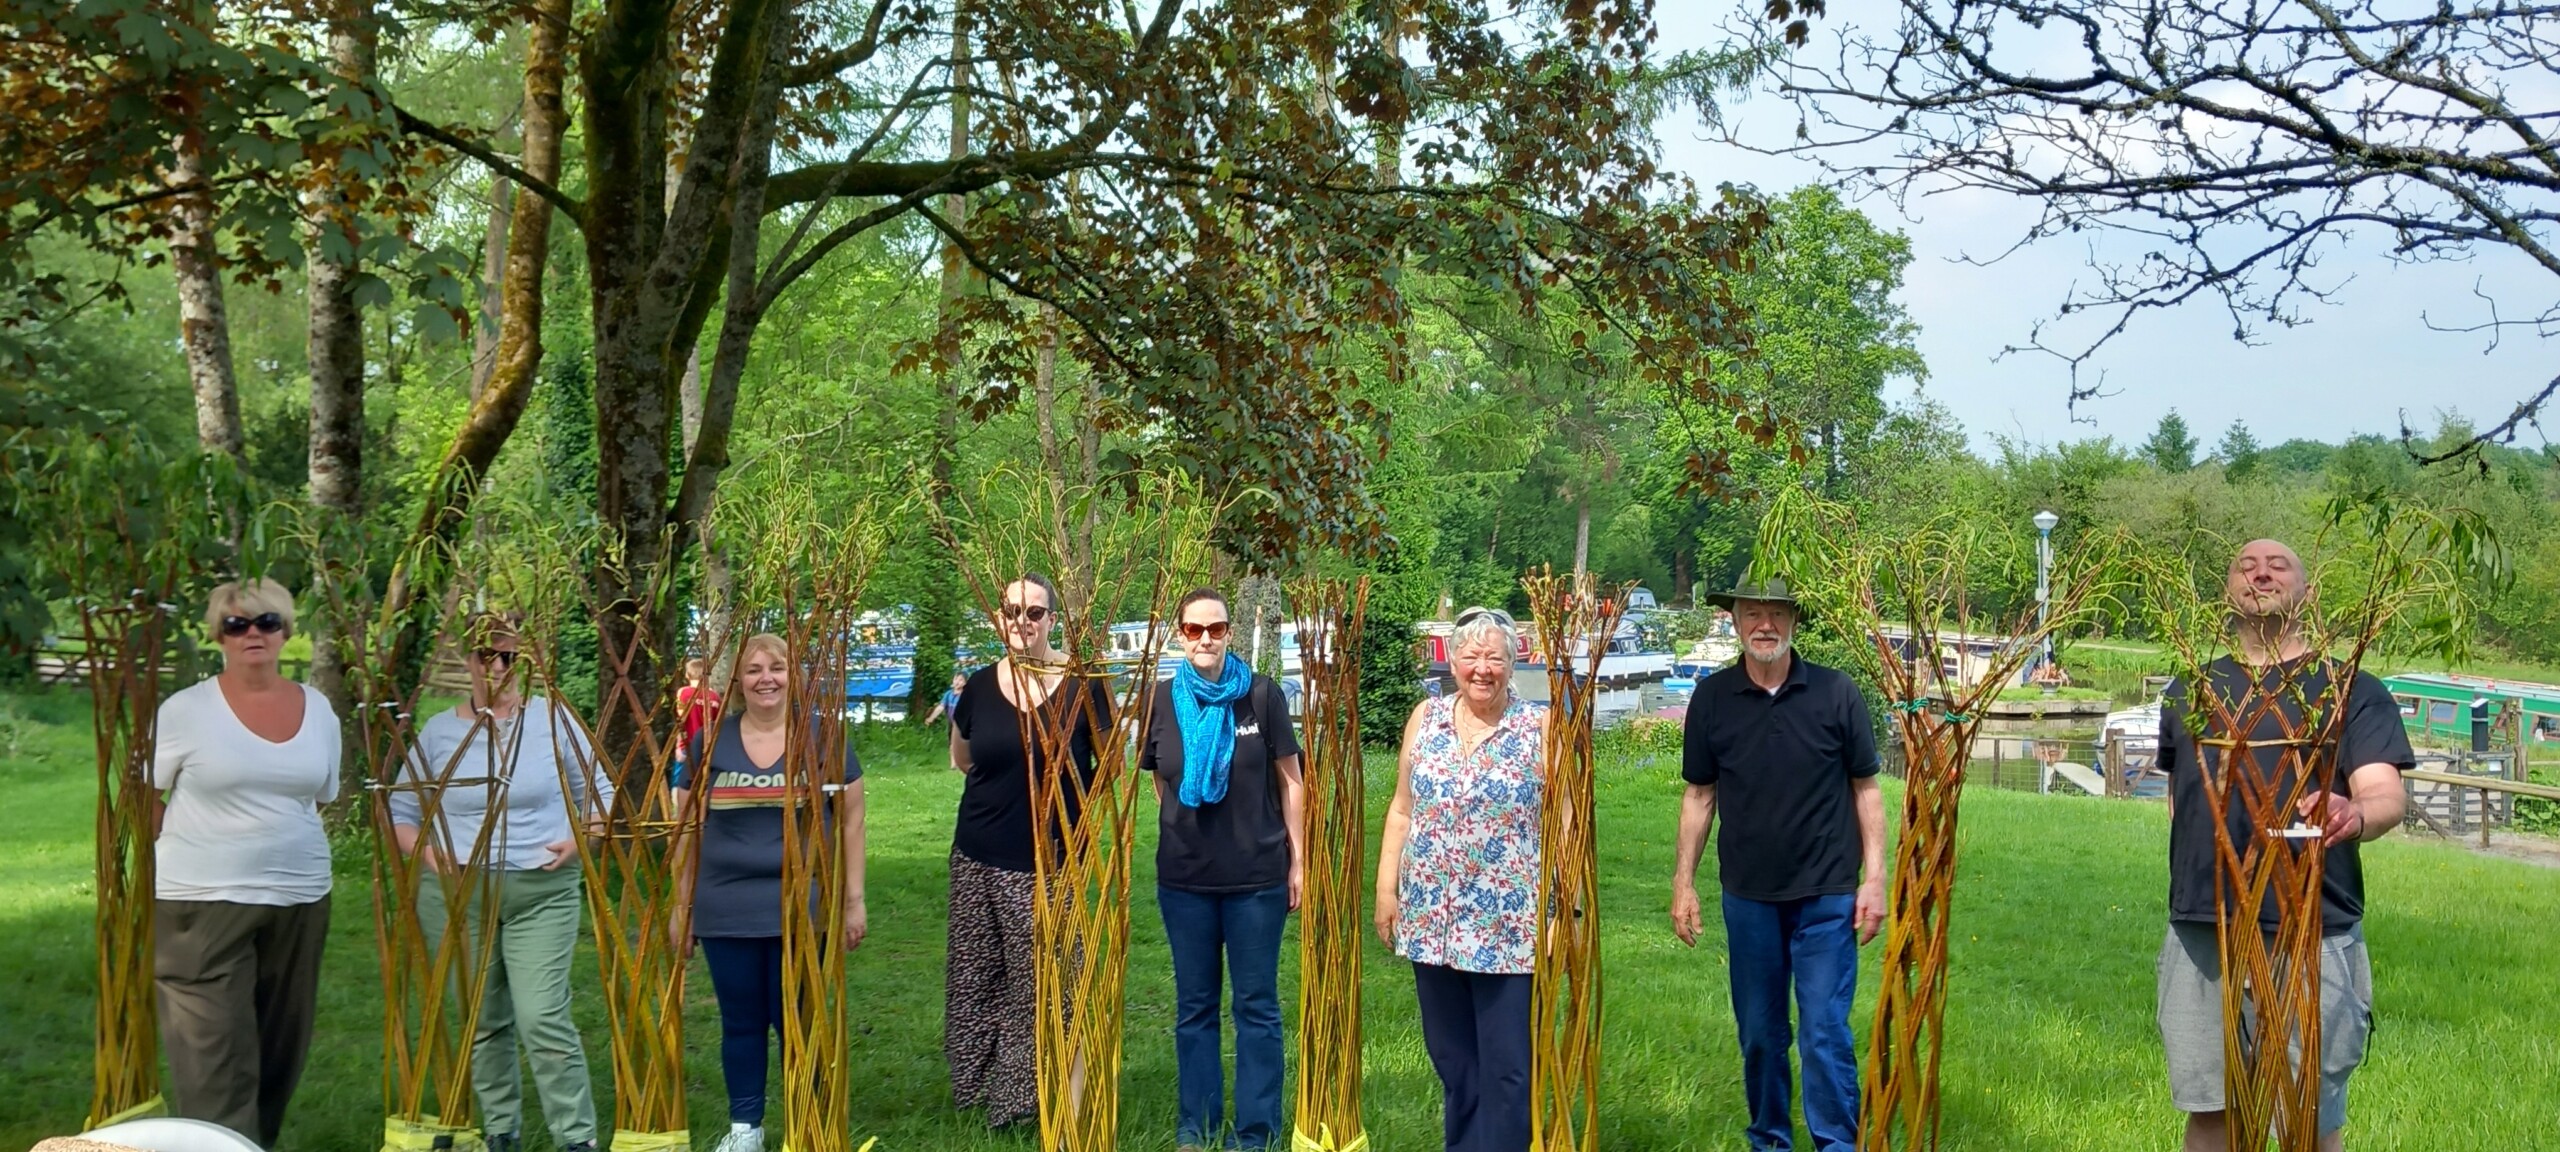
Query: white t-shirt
point(243, 822)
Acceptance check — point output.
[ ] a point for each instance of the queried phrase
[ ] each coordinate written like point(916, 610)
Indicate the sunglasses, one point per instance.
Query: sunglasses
point(502, 657)
point(267, 623)
point(1217, 631)
point(1034, 613)
point(1498, 616)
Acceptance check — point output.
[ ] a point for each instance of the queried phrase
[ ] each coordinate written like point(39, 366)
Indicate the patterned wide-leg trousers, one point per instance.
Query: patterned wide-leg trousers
point(988, 1010)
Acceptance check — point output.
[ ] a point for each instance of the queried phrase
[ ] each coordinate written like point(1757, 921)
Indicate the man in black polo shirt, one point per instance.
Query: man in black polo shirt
point(2273, 672)
point(1785, 750)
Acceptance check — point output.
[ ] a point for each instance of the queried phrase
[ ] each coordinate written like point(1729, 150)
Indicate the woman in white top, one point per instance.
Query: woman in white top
point(528, 758)
point(242, 870)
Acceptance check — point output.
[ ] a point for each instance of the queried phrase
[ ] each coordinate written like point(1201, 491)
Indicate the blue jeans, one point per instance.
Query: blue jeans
point(1476, 1027)
point(1812, 942)
point(1239, 932)
point(746, 978)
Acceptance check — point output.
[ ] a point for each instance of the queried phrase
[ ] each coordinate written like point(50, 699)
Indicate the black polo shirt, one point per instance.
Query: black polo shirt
point(1781, 764)
point(2369, 733)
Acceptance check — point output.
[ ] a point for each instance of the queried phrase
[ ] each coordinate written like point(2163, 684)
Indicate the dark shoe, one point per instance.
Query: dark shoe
point(501, 1142)
point(580, 1146)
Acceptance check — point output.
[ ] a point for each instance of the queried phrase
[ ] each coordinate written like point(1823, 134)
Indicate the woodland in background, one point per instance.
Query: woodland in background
point(1301, 257)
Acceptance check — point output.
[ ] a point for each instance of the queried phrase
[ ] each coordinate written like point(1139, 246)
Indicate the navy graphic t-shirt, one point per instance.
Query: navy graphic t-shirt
point(737, 886)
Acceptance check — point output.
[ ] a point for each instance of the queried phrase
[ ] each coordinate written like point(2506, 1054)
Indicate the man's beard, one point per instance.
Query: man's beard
point(1770, 658)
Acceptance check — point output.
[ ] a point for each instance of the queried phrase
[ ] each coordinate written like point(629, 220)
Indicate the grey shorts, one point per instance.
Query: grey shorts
point(2191, 1017)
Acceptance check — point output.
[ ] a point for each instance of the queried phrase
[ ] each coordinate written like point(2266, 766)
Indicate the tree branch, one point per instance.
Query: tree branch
point(568, 205)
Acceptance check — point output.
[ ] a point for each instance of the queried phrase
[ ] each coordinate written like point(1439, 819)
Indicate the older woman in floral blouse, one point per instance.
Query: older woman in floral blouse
point(1458, 883)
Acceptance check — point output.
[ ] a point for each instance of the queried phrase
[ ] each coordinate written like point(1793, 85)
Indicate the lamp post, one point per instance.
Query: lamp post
point(2045, 521)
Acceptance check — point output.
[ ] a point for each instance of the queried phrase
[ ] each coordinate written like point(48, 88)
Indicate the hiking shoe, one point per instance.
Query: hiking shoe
point(501, 1142)
point(742, 1138)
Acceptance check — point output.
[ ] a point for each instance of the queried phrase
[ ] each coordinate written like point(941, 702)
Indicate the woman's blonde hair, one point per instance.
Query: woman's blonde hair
point(768, 642)
point(247, 598)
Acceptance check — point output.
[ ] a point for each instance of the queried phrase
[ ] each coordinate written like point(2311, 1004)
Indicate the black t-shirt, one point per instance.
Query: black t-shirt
point(1240, 843)
point(2370, 734)
point(1781, 766)
point(737, 886)
point(995, 805)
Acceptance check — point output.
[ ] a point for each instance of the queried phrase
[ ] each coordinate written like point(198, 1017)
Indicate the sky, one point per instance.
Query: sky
point(2357, 366)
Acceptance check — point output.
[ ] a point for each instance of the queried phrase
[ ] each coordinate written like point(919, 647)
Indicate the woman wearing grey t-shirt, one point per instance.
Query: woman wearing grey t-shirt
point(526, 759)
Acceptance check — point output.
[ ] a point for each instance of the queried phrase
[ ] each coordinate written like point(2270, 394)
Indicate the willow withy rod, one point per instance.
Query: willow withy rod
point(1332, 923)
point(1574, 618)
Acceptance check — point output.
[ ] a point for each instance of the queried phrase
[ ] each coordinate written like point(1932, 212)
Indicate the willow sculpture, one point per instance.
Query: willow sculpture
point(630, 867)
point(1331, 920)
point(816, 593)
point(1574, 619)
point(127, 543)
point(1905, 598)
point(433, 963)
point(1121, 551)
point(2267, 734)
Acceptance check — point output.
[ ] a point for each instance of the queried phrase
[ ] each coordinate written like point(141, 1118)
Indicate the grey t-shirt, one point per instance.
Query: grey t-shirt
point(737, 885)
point(535, 766)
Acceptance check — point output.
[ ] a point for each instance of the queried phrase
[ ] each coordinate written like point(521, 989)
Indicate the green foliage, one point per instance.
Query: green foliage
point(569, 480)
point(2171, 447)
point(2238, 451)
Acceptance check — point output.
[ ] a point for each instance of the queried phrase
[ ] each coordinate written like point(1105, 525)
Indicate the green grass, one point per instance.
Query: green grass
point(2050, 1041)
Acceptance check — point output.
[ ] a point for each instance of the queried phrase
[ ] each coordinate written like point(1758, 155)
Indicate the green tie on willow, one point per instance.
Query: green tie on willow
point(1119, 551)
point(1332, 923)
point(2377, 574)
point(1573, 618)
point(1915, 606)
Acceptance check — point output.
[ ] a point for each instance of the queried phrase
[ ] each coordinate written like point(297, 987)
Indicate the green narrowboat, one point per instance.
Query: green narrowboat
point(2437, 708)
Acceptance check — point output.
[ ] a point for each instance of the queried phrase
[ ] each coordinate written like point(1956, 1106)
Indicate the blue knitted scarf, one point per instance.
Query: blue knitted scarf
point(1205, 712)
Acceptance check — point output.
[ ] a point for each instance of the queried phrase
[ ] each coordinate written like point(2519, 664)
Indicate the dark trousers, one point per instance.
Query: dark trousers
point(238, 984)
point(1812, 943)
point(746, 977)
point(1242, 930)
point(1476, 1027)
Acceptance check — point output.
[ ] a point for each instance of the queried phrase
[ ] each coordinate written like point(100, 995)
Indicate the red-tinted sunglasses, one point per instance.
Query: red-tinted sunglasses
point(1217, 631)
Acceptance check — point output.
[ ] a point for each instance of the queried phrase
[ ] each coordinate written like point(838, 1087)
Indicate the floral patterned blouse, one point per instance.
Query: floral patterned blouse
point(1467, 890)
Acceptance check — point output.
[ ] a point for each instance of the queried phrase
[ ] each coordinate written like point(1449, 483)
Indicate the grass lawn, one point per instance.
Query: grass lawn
point(2050, 1042)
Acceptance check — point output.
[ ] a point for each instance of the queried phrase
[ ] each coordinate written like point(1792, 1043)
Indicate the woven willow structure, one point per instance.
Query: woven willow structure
point(1905, 598)
point(131, 538)
point(434, 970)
point(630, 868)
point(2379, 568)
point(1574, 618)
point(1120, 550)
point(1331, 919)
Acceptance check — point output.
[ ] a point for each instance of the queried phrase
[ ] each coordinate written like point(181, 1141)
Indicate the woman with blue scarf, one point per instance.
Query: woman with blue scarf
point(1232, 835)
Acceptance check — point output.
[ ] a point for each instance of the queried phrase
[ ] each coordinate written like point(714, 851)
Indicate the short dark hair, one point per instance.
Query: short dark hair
point(1036, 580)
point(1197, 595)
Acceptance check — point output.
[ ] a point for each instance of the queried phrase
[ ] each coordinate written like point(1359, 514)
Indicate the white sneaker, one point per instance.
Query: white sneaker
point(742, 1138)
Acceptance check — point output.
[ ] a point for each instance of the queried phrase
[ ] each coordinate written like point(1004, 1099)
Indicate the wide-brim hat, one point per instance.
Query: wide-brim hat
point(1774, 588)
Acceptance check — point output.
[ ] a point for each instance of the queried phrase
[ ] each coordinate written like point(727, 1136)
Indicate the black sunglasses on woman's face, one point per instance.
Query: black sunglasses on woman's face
point(502, 657)
point(1034, 613)
point(268, 623)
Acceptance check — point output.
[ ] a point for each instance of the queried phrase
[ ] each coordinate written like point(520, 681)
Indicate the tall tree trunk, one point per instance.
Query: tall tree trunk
point(336, 342)
point(493, 278)
point(500, 406)
point(204, 325)
point(1581, 533)
point(938, 608)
